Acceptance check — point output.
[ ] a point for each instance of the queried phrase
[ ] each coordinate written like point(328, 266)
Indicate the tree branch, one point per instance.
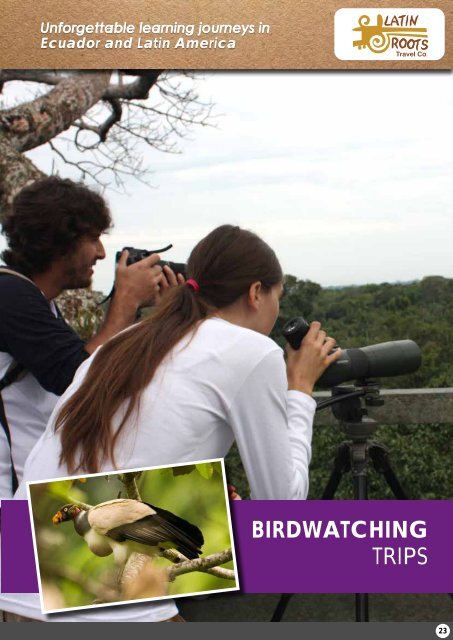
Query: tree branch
point(205, 564)
point(102, 129)
point(137, 90)
point(30, 75)
point(34, 123)
point(108, 115)
point(137, 563)
point(16, 171)
point(86, 168)
point(130, 483)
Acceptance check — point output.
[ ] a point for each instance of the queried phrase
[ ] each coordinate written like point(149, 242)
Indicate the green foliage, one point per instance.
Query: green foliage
point(369, 314)
point(205, 470)
point(419, 454)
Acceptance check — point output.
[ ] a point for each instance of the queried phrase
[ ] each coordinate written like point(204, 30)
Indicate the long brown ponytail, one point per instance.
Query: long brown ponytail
point(224, 264)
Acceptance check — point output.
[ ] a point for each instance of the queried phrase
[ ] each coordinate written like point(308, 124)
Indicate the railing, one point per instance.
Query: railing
point(403, 406)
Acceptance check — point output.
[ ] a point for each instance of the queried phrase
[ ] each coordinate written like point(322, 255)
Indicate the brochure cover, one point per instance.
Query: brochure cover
point(226, 343)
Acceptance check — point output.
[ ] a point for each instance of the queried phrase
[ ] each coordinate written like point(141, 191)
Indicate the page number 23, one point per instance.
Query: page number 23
point(442, 631)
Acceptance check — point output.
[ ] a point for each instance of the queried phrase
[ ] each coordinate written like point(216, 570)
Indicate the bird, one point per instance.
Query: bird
point(108, 528)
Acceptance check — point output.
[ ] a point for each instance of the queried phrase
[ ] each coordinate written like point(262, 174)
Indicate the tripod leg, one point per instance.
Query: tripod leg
point(359, 465)
point(380, 457)
point(361, 607)
point(281, 607)
point(341, 465)
point(360, 487)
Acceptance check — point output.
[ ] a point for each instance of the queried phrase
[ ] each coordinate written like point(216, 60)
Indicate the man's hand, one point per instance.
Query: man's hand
point(169, 279)
point(315, 354)
point(137, 285)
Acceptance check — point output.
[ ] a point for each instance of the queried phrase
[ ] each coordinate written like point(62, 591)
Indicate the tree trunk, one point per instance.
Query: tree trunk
point(15, 171)
point(34, 123)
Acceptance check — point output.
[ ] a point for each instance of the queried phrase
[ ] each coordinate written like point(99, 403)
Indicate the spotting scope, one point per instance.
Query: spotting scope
point(374, 361)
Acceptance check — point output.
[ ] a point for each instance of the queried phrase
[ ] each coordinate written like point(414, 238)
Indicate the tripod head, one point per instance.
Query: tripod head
point(349, 406)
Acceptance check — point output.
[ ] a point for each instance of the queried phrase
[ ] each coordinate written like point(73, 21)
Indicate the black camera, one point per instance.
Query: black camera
point(135, 255)
point(375, 361)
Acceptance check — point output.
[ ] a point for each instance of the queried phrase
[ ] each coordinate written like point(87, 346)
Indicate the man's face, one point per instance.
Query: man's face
point(77, 267)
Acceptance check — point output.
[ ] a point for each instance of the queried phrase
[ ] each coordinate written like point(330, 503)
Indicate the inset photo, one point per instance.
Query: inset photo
point(146, 534)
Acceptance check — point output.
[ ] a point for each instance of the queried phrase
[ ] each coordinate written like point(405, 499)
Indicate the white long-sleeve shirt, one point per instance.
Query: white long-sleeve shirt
point(221, 384)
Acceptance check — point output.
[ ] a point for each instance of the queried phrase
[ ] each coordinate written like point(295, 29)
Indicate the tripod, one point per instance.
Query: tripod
point(354, 454)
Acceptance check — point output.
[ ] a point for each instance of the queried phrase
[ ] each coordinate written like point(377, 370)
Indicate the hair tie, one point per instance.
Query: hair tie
point(195, 286)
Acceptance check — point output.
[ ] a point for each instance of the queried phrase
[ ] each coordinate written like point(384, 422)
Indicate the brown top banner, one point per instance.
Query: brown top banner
point(226, 34)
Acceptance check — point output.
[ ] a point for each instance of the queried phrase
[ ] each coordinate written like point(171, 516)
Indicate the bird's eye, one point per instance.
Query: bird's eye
point(65, 509)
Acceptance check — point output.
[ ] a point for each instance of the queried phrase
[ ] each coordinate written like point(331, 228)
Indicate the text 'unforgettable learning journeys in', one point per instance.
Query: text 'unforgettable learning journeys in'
point(145, 35)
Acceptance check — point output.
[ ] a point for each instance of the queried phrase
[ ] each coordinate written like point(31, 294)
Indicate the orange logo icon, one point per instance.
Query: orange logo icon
point(395, 31)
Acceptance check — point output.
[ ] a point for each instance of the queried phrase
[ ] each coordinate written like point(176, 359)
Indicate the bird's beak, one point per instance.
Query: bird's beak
point(58, 518)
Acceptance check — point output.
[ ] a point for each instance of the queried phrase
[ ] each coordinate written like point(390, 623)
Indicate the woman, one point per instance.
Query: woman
point(200, 373)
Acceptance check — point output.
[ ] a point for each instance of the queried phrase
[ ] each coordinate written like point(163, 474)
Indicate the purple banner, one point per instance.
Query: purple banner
point(302, 547)
point(344, 546)
point(18, 572)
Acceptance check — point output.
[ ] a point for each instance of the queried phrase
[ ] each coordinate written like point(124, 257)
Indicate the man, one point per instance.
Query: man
point(53, 234)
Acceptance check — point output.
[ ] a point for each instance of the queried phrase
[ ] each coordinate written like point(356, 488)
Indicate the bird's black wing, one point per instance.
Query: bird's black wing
point(190, 530)
point(164, 526)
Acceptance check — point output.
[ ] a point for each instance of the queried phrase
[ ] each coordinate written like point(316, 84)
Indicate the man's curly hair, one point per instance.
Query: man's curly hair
point(47, 219)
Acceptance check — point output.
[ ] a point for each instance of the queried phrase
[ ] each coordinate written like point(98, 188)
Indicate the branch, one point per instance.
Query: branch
point(207, 564)
point(65, 494)
point(81, 165)
point(109, 116)
point(32, 75)
point(34, 123)
point(134, 90)
point(130, 483)
point(114, 117)
point(137, 563)
point(16, 171)
point(144, 580)
point(102, 129)
point(137, 90)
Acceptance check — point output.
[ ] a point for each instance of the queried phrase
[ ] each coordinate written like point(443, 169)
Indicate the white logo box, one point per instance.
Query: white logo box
point(390, 34)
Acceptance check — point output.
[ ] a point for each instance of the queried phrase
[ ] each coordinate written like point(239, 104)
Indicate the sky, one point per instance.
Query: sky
point(347, 175)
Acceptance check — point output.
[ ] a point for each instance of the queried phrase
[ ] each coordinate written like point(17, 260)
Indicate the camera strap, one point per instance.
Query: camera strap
point(4, 423)
point(12, 374)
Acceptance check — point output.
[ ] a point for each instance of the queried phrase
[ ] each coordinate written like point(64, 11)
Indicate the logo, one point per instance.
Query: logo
point(389, 34)
point(391, 31)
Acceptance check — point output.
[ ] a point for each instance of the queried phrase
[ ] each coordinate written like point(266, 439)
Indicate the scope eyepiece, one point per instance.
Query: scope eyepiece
point(295, 330)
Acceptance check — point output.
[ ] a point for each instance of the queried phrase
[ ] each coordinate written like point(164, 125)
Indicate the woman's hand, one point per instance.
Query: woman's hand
point(232, 493)
point(315, 354)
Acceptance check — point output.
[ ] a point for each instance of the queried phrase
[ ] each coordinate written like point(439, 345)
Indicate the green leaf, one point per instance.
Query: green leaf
point(206, 470)
point(182, 471)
